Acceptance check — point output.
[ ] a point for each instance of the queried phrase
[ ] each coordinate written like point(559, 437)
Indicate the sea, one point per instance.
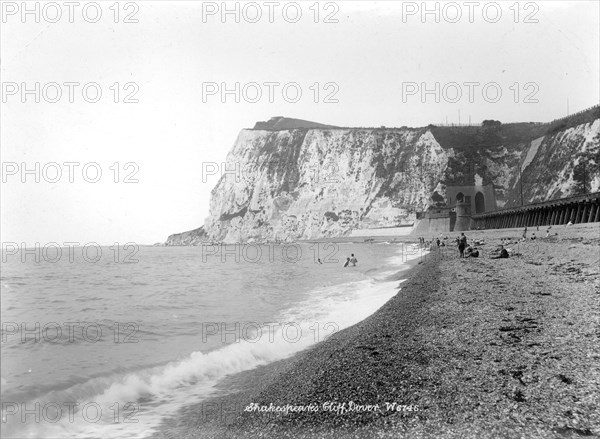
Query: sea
point(112, 341)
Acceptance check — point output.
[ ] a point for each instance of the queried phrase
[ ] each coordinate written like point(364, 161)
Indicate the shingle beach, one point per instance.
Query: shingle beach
point(468, 348)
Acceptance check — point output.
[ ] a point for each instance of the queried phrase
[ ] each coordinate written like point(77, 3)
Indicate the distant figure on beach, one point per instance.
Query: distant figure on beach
point(319, 261)
point(503, 253)
point(353, 260)
point(533, 237)
point(462, 244)
point(525, 233)
point(570, 223)
point(438, 242)
point(471, 252)
point(548, 231)
point(347, 262)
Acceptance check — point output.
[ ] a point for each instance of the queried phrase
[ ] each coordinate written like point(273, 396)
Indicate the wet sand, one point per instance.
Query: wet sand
point(468, 348)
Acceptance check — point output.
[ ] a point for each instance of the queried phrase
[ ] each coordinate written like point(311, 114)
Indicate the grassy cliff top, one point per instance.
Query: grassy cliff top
point(491, 133)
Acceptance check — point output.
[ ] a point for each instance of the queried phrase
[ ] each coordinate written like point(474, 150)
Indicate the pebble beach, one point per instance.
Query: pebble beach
point(468, 348)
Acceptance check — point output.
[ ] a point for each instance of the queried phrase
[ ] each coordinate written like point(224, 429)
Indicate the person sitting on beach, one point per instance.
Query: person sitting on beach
point(533, 237)
point(503, 253)
point(353, 260)
point(347, 262)
point(570, 223)
point(471, 252)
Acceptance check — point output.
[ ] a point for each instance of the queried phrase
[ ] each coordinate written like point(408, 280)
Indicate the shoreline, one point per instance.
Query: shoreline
point(211, 417)
point(483, 348)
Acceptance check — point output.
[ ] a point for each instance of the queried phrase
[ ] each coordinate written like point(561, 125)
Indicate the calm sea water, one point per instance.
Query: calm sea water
point(110, 348)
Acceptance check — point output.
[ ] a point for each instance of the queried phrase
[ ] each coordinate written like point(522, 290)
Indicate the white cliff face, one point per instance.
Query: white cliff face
point(571, 146)
point(549, 163)
point(301, 184)
point(310, 183)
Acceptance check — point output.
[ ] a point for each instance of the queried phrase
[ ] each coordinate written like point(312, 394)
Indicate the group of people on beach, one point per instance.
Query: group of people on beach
point(439, 242)
point(466, 249)
point(470, 251)
point(533, 237)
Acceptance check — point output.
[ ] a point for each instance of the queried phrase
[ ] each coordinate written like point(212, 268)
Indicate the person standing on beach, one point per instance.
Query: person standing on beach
point(462, 244)
point(353, 260)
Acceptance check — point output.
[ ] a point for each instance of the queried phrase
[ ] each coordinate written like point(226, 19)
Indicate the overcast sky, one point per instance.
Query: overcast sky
point(374, 59)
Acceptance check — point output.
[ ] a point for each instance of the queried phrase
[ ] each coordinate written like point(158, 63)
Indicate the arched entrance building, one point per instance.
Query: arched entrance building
point(479, 199)
point(479, 203)
point(455, 214)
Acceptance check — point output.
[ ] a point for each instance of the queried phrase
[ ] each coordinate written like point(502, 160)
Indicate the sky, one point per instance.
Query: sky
point(161, 67)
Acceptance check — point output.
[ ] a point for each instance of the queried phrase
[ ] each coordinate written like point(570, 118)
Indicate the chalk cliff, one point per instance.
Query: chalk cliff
point(313, 181)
